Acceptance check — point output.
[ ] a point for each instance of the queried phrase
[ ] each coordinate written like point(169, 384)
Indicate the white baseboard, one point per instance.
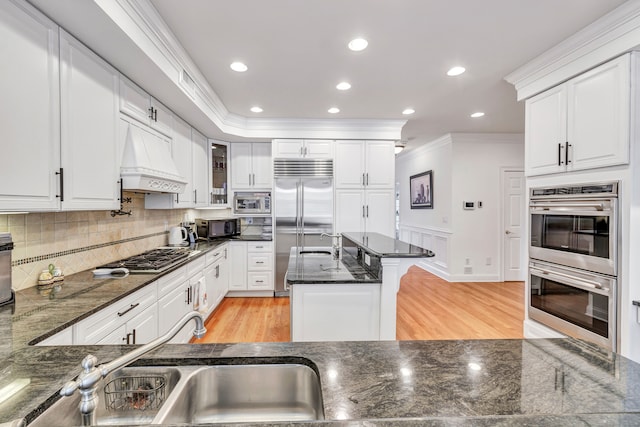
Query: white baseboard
point(445, 275)
point(243, 294)
point(433, 269)
point(533, 329)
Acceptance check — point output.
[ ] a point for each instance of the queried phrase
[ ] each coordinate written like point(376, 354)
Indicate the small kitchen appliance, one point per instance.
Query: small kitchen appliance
point(6, 246)
point(217, 228)
point(252, 203)
point(178, 236)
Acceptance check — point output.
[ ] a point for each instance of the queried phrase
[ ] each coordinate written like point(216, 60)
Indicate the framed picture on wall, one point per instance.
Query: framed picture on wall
point(421, 186)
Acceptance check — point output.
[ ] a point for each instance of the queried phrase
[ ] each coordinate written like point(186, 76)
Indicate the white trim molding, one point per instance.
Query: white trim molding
point(434, 239)
point(610, 36)
point(142, 24)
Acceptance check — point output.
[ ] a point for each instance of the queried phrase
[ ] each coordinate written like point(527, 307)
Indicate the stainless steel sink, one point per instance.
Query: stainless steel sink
point(129, 408)
point(246, 393)
point(206, 394)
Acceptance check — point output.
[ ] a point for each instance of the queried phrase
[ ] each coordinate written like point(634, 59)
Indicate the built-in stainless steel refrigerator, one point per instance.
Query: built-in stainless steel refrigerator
point(303, 206)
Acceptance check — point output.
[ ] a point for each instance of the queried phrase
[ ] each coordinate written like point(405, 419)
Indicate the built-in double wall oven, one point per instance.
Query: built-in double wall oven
point(573, 266)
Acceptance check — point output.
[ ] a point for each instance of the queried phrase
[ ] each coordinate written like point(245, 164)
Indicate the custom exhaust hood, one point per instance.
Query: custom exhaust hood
point(147, 166)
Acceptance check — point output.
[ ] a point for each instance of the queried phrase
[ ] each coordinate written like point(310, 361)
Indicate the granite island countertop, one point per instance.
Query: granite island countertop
point(383, 246)
point(316, 265)
point(407, 383)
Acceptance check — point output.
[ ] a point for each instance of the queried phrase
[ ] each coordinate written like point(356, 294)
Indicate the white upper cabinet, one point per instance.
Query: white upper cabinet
point(30, 130)
point(138, 104)
point(89, 128)
point(303, 149)
point(200, 162)
point(365, 164)
point(581, 124)
point(251, 166)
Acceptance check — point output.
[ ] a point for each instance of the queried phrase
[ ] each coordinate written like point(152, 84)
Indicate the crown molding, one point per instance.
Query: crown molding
point(479, 138)
point(142, 24)
point(610, 36)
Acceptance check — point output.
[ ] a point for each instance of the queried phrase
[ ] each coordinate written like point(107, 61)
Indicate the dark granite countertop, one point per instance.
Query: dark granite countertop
point(385, 247)
point(317, 267)
point(388, 383)
point(472, 382)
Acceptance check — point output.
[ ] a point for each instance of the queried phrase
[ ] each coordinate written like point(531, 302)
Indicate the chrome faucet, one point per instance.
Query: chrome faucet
point(335, 244)
point(90, 375)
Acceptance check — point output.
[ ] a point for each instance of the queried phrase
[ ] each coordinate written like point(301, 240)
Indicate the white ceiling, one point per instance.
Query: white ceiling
point(296, 53)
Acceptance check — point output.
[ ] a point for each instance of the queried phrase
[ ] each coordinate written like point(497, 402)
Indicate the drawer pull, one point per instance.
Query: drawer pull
point(259, 262)
point(120, 314)
point(259, 281)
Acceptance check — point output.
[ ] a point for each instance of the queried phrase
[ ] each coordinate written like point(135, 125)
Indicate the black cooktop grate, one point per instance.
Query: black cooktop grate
point(153, 261)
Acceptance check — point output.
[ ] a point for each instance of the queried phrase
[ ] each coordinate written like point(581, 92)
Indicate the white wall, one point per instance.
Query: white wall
point(478, 234)
point(465, 167)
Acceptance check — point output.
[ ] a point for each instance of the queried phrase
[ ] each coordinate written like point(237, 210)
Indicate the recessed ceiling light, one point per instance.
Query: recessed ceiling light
point(477, 114)
point(456, 71)
point(357, 45)
point(408, 111)
point(256, 109)
point(239, 67)
point(343, 86)
point(333, 110)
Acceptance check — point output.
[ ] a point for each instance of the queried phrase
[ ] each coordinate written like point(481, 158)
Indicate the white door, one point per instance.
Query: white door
point(513, 202)
point(134, 102)
point(261, 165)
point(288, 148)
point(144, 327)
point(350, 211)
point(381, 160)
point(240, 165)
point(318, 149)
point(89, 128)
point(238, 266)
point(200, 169)
point(350, 164)
point(546, 131)
point(30, 109)
point(379, 212)
point(162, 118)
point(182, 156)
point(598, 116)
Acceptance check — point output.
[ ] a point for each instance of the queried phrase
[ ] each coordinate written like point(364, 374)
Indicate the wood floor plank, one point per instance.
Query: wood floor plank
point(429, 308)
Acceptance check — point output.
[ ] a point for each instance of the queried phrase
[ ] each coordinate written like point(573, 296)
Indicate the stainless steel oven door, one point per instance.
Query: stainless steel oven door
point(574, 232)
point(575, 302)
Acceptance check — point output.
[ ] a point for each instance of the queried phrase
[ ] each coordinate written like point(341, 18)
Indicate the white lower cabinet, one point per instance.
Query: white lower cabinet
point(216, 276)
point(141, 329)
point(112, 324)
point(251, 266)
point(335, 312)
point(64, 337)
point(176, 296)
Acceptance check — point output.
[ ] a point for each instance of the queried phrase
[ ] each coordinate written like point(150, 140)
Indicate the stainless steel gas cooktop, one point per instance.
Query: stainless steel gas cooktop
point(153, 261)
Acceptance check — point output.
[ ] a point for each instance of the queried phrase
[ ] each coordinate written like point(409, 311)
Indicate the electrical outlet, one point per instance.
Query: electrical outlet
point(468, 270)
point(467, 261)
point(249, 220)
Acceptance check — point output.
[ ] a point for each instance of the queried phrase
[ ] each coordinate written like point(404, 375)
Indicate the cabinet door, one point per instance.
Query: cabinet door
point(350, 164)
point(172, 306)
point(546, 132)
point(30, 130)
point(318, 149)
point(237, 266)
point(262, 168)
point(116, 337)
point(598, 116)
point(200, 169)
point(288, 148)
point(260, 280)
point(89, 128)
point(381, 161)
point(162, 118)
point(211, 274)
point(144, 327)
point(222, 284)
point(350, 211)
point(379, 212)
point(134, 102)
point(241, 170)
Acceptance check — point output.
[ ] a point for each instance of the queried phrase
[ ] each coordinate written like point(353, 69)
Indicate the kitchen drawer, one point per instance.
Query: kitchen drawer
point(259, 261)
point(259, 247)
point(196, 266)
point(215, 254)
point(172, 280)
point(260, 280)
point(97, 326)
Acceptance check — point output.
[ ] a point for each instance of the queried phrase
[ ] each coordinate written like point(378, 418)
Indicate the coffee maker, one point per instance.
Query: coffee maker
point(192, 231)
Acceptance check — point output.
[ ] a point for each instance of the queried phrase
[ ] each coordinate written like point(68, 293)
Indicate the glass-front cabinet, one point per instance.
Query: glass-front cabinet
point(219, 176)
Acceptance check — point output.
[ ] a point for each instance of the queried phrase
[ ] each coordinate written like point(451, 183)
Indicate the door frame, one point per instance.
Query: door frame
point(524, 239)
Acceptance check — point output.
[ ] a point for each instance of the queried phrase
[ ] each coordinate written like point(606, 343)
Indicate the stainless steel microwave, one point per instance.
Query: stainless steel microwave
point(216, 228)
point(252, 203)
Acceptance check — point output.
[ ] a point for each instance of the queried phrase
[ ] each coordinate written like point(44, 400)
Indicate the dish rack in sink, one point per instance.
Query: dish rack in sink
point(135, 393)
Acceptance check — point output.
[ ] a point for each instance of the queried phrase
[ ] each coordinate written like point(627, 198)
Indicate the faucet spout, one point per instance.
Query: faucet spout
point(90, 375)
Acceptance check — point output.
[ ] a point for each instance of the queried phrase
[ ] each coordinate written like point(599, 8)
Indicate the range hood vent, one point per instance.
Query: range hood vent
point(147, 165)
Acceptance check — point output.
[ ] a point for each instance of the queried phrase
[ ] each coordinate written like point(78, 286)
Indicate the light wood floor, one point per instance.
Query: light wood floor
point(429, 308)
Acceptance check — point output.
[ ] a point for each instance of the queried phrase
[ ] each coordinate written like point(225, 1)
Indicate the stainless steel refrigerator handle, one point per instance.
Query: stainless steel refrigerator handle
point(302, 213)
point(297, 214)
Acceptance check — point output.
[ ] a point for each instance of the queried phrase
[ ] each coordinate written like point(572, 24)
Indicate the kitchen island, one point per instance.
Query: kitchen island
point(351, 297)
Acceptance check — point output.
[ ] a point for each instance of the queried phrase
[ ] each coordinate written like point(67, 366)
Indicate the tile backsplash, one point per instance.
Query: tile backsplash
point(82, 240)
